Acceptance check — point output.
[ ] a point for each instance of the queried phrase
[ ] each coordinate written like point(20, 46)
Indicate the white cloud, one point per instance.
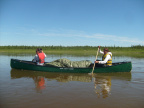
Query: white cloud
point(97, 36)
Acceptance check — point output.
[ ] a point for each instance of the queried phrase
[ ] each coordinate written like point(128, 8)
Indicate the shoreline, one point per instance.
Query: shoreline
point(133, 51)
point(130, 53)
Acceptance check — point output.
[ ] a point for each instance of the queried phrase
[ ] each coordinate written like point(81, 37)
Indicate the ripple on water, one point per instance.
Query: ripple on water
point(138, 77)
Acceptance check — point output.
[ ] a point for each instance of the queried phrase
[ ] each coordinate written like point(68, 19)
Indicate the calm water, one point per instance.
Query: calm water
point(29, 89)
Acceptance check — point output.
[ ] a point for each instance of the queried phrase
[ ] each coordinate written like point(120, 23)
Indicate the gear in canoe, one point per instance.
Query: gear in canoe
point(67, 63)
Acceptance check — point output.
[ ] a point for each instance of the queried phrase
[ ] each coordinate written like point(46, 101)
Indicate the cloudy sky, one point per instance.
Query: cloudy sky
point(72, 22)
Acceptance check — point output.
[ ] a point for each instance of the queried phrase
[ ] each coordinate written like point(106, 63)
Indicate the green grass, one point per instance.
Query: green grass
point(134, 51)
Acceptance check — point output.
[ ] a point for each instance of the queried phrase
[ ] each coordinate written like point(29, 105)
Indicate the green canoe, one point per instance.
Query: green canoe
point(28, 65)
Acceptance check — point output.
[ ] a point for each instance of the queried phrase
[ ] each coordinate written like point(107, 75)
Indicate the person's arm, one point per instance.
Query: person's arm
point(36, 59)
point(101, 51)
point(105, 60)
point(45, 55)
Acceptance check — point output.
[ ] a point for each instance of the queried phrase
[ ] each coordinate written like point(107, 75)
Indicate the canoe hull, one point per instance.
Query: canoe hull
point(27, 65)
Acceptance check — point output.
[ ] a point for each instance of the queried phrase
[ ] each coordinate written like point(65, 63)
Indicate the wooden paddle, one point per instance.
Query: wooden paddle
point(95, 60)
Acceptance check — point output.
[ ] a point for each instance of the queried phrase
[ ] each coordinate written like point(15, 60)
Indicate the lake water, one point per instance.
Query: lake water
point(29, 89)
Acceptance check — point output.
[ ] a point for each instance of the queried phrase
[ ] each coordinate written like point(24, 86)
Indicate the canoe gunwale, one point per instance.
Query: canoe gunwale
point(48, 65)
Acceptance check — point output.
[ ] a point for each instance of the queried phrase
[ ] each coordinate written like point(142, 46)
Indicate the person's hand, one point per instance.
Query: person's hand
point(96, 61)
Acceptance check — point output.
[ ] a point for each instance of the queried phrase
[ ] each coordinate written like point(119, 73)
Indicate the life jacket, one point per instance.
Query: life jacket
point(109, 62)
point(41, 57)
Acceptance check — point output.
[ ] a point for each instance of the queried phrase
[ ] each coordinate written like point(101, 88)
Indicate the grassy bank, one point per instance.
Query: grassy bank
point(133, 51)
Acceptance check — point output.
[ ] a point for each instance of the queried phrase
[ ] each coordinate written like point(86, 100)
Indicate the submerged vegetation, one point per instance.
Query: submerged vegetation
point(134, 51)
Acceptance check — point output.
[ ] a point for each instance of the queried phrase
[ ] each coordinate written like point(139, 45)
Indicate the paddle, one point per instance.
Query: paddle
point(95, 60)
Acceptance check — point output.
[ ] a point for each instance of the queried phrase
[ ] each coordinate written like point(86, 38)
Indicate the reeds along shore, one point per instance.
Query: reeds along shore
point(134, 51)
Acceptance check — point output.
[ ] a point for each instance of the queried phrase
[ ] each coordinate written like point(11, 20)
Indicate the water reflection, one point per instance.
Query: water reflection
point(102, 81)
point(102, 86)
point(60, 77)
point(39, 83)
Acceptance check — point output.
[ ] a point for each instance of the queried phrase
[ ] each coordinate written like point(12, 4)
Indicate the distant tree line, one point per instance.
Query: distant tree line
point(70, 47)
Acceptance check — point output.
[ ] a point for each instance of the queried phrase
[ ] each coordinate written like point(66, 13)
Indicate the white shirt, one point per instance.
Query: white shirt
point(36, 59)
point(106, 59)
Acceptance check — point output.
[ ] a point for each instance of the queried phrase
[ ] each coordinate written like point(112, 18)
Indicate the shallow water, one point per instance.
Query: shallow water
point(27, 89)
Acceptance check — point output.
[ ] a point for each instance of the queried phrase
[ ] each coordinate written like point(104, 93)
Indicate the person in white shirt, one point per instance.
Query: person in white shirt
point(106, 58)
point(36, 58)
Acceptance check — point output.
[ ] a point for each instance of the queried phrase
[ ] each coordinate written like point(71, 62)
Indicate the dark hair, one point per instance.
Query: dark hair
point(40, 50)
point(37, 50)
point(106, 49)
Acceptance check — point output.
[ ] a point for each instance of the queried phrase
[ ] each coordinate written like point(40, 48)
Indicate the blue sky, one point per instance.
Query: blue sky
point(72, 22)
